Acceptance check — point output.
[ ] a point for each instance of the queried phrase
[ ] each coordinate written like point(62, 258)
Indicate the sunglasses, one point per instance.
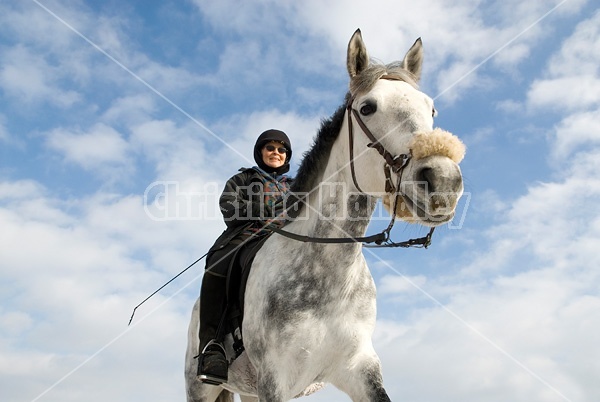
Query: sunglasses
point(271, 148)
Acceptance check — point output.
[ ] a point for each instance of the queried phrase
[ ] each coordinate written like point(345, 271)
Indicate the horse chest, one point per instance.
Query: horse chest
point(321, 289)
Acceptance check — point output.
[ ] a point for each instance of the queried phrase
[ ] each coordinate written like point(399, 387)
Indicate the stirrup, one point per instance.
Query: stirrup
point(211, 380)
point(208, 378)
point(219, 346)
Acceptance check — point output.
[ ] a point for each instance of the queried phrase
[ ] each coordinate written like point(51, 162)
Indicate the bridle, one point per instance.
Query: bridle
point(393, 163)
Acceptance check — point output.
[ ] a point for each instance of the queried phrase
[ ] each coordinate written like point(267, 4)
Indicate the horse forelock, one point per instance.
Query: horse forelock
point(365, 81)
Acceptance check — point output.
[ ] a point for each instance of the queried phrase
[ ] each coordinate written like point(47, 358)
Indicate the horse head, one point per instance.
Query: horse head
point(397, 118)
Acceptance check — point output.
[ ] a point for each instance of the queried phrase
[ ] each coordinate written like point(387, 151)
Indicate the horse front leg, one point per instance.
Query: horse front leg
point(363, 381)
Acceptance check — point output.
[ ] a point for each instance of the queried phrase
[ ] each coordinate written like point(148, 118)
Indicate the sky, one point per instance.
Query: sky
point(121, 120)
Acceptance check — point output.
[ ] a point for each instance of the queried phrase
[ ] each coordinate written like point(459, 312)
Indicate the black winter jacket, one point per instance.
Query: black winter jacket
point(242, 205)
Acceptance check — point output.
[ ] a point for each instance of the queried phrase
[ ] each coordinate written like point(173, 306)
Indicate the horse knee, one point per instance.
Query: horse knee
point(363, 383)
point(373, 380)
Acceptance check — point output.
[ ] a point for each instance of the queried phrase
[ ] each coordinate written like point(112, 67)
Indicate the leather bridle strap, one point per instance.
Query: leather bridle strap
point(378, 238)
point(381, 239)
point(395, 163)
point(351, 144)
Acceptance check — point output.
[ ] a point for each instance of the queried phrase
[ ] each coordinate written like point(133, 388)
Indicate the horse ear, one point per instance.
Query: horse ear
point(357, 59)
point(414, 59)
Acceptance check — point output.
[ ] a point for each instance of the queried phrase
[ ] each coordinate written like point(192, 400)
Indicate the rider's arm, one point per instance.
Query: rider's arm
point(241, 200)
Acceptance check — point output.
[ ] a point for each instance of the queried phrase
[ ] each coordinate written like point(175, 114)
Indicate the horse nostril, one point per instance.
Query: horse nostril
point(433, 179)
point(425, 178)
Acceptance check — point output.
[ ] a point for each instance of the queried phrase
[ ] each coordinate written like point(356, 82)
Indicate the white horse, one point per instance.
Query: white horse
point(310, 307)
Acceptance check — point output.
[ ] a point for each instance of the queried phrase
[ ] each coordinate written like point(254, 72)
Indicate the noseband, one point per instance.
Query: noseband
point(395, 163)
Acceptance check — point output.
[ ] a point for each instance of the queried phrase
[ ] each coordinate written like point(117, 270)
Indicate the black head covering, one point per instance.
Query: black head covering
point(268, 136)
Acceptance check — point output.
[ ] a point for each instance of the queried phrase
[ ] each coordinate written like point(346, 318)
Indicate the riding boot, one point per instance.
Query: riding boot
point(212, 362)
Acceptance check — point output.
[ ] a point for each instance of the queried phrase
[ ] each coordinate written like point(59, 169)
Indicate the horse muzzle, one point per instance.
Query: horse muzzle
point(430, 190)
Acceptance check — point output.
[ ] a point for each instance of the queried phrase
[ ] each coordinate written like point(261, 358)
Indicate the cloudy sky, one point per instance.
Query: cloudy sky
point(106, 105)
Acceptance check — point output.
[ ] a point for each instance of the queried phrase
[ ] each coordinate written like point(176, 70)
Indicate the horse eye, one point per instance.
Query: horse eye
point(367, 109)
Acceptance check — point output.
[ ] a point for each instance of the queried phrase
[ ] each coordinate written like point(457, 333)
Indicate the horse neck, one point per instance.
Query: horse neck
point(335, 208)
point(341, 266)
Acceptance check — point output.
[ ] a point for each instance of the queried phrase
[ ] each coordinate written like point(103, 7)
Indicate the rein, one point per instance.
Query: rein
point(395, 163)
point(381, 239)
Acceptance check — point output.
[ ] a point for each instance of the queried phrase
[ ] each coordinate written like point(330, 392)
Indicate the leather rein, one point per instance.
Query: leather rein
point(393, 163)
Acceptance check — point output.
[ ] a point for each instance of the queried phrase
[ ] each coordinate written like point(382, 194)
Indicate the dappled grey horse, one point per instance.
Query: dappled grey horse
point(310, 307)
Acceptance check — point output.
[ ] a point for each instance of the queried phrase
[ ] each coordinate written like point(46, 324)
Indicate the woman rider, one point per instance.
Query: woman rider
point(250, 198)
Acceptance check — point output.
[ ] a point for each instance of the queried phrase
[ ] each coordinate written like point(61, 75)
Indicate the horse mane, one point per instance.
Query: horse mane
point(314, 160)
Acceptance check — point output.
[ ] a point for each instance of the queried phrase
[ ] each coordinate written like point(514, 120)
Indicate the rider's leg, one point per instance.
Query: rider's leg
point(212, 364)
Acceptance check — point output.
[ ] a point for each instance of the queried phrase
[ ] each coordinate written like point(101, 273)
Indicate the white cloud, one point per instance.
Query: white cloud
point(571, 93)
point(513, 347)
point(456, 36)
point(250, 17)
point(576, 130)
point(29, 78)
point(73, 286)
point(134, 109)
point(393, 284)
point(571, 86)
point(19, 190)
point(67, 53)
point(240, 132)
point(579, 53)
point(572, 80)
point(30, 23)
point(94, 149)
point(177, 152)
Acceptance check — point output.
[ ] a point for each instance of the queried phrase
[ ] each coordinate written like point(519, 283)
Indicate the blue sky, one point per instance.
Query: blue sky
point(100, 101)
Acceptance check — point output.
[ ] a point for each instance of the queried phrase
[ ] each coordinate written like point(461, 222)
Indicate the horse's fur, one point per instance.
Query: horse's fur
point(310, 308)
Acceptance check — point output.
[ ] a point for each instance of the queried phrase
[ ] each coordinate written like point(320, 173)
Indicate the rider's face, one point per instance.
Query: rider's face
point(272, 155)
